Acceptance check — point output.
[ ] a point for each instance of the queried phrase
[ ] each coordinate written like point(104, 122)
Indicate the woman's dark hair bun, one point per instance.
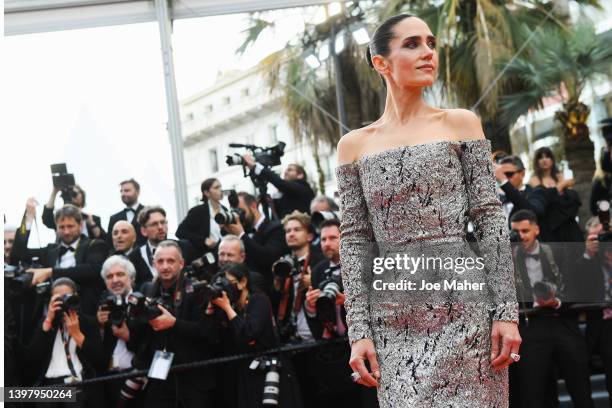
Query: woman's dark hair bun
point(369, 56)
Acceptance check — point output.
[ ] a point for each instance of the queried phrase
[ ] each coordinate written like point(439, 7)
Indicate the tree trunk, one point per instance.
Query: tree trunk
point(580, 154)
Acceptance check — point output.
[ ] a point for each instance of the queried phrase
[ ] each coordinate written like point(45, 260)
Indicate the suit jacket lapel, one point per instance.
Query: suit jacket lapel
point(53, 255)
point(79, 254)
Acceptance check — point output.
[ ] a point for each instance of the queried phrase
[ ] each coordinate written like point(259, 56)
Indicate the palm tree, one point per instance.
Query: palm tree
point(559, 63)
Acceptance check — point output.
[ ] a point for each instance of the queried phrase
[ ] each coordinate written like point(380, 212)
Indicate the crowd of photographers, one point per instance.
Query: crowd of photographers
point(239, 279)
point(259, 274)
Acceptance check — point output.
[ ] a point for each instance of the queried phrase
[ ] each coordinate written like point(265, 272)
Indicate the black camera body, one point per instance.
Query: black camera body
point(318, 217)
point(326, 303)
point(515, 237)
point(266, 156)
point(206, 290)
point(17, 279)
point(116, 304)
point(143, 308)
point(285, 267)
point(202, 268)
point(64, 182)
point(69, 301)
point(232, 215)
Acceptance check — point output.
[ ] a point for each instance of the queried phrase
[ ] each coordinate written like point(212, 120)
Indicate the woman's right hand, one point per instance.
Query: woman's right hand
point(54, 305)
point(363, 350)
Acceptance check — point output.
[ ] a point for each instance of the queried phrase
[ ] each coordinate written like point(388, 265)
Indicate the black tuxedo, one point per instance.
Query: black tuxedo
point(550, 338)
point(196, 228)
point(48, 220)
point(143, 272)
point(90, 354)
point(263, 247)
point(194, 337)
point(121, 216)
point(297, 194)
point(89, 256)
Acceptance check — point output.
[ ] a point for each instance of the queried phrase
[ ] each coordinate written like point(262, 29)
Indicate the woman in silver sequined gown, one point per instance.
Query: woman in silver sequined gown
point(428, 354)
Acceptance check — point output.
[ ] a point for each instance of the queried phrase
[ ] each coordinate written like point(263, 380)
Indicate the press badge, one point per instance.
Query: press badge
point(162, 360)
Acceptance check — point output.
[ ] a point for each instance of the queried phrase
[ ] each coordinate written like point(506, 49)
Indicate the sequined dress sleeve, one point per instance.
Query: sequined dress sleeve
point(356, 236)
point(490, 227)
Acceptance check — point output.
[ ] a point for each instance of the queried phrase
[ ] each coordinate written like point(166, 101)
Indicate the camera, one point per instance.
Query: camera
point(319, 216)
point(117, 306)
point(69, 301)
point(543, 291)
point(17, 279)
point(285, 267)
point(235, 213)
point(603, 212)
point(203, 268)
point(63, 181)
point(143, 308)
point(267, 156)
point(326, 303)
point(205, 290)
point(515, 237)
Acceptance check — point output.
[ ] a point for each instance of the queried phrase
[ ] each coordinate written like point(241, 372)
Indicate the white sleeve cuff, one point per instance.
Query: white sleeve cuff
point(258, 168)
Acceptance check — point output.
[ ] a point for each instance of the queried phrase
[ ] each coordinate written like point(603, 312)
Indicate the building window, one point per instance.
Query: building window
point(244, 93)
point(208, 109)
point(214, 164)
point(273, 134)
point(226, 100)
point(190, 116)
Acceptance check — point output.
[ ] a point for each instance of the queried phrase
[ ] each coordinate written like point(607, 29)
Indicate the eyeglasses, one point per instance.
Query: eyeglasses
point(509, 174)
point(157, 224)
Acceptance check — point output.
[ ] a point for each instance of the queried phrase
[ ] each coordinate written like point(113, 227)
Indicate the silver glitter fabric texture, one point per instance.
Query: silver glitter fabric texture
point(431, 354)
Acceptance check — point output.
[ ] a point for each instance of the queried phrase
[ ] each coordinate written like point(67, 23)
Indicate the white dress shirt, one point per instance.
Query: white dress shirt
point(58, 366)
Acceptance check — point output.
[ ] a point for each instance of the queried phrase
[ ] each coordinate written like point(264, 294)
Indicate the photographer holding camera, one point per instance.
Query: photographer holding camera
point(199, 226)
point(263, 239)
point(294, 192)
point(549, 336)
point(75, 256)
point(67, 346)
point(118, 274)
point(251, 328)
point(75, 195)
point(232, 250)
point(595, 285)
point(183, 329)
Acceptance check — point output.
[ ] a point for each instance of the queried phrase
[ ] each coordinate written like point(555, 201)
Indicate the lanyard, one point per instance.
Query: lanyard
point(66, 341)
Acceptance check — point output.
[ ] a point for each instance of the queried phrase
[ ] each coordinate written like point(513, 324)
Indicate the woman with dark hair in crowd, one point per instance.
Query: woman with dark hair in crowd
point(251, 328)
point(547, 174)
point(412, 179)
point(199, 226)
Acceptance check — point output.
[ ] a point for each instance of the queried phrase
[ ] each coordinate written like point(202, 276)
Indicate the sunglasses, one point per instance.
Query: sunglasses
point(509, 174)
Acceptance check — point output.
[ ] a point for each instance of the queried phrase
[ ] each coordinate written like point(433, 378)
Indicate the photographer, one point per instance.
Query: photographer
point(232, 250)
point(294, 192)
point(67, 346)
point(124, 238)
point(9, 240)
point(182, 328)
point(154, 227)
point(549, 336)
point(595, 285)
point(92, 227)
point(263, 239)
point(510, 173)
point(602, 182)
point(118, 274)
point(130, 191)
point(199, 226)
point(75, 256)
point(251, 328)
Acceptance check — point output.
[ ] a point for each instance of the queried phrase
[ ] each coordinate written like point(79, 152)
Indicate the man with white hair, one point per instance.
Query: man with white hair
point(118, 274)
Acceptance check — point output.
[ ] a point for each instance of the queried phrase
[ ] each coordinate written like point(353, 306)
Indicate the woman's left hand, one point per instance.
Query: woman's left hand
point(222, 302)
point(505, 339)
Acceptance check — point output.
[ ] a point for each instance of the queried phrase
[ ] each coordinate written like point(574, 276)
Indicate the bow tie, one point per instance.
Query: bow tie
point(64, 249)
point(533, 256)
point(129, 210)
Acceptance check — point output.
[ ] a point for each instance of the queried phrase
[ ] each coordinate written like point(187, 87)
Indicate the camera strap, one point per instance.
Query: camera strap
point(299, 294)
point(66, 341)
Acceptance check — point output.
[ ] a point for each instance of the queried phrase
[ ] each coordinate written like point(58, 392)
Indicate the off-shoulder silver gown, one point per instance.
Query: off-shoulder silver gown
point(430, 355)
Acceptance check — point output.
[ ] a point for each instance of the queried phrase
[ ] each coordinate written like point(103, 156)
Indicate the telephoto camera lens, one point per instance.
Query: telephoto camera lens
point(326, 303)
point(271, 385)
